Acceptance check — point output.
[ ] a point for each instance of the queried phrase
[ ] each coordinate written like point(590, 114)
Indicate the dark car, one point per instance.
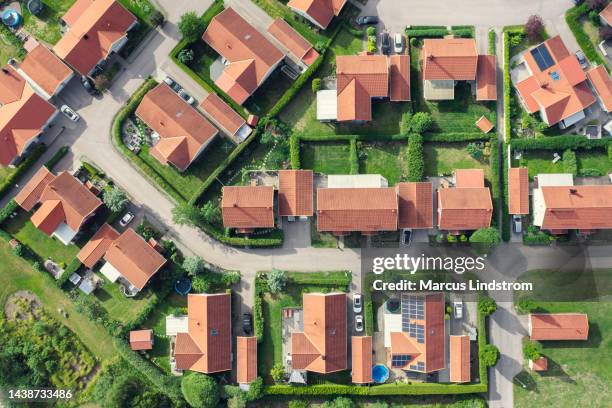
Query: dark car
point(89, 86)
point(385, 43)
point(366, 20)
point(247, 323)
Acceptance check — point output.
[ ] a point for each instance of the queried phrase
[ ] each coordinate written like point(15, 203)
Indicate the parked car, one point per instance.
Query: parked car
point(89, 86)
point(517, 223)
point(385, 43)
point(69, 113)
point(458, 309)
point(126, 219)
point(357, 305)
point(359, 323)
point(186, 97)
point(247, 323)
point(398, 43)
point(407, 236)
point(584, 63)
point(366, 20)
point(172, 84)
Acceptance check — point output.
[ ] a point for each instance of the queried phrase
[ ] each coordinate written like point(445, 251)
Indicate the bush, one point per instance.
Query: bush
point(492, 42)
point(278, 372)
point(185, 56)
point(236, 402)
point(415, 160)
point(487, 236)
point(200, 390)
point(486, 305)
point(190, 26)
point(294, 151)
point(194, 265)
point(315, 85)
point(524, 306)
point(474, 150)
point(532, 350)
point(405, 123)
point(7, 210)
point(7, 183)
point(57, 157)
point(558, 143)
point(570, 164)
point(277, 280)
point(256, 390)
point(572, 17)
point(534, 27)
point(490, 355)
point(427, 33)
point(353, 157)
point(371, 31)
point(258, 319)
point(115, 199)
point(339, 402)
point(594, 17)
point(421, 122)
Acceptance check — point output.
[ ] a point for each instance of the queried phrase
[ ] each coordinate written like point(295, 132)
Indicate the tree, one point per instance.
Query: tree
point(421, 122)
point(186, 214)
point(211, 213)
point(489, 355)
point(534, 27)
point(185, 55)
point(277, 279)
point(475, 151)
point(532, 350)
point(200, 390)
point(115, 199)
point(194, 265)
point(487, 236)
point(256, 390)
point(151, 399)
point(605, 33)
point(236, 402)
point(316, 85)
point(278, 372)
point(486, 305)
point(122, 392)
point(190, 26)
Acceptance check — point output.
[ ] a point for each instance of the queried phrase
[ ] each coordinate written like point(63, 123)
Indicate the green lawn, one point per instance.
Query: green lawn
point(540, 161)
point(44, 246)
point(326, 157)
point(6, 172)
point(16, 274)
point(117, 305)
point(46, 26)
point(8, 47)
point(445, 158)
point(385, 158)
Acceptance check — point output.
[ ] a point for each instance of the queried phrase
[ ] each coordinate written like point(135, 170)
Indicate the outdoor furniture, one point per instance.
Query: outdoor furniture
point(556, 157)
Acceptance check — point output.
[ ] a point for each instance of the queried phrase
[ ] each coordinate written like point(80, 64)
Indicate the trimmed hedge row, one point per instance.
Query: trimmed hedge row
point(482, 341)
point(492, 42)
point(495, 178)
point(340, 278)
point(376, 390)
point(572, 17)
point(22, 167)
point(344, 138)
point(243, 242)
point(559, 143)
point(353, 157)
point(368, 313)
point(59, 155)
point(454, 137)
point(258, 316)
point(294, 152)
point(505, 214)
point(414, 158)
point(426, 32)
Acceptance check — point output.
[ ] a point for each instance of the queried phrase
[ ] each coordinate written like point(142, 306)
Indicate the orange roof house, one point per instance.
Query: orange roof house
point(468, 205)
point(66, 204)
point(368, 210)
point(586, 207)
point(322, 346)
point(486, 78)
point(606, 15)
point(96, 29)
point(97, 246)
point(420, 345)
point(460, 359)
point(141, 339)
point(132, 258)
point(207, 345)
point(295, 193)
point(223, 115)
point(248, 207)
point(45, 71)
point(250, 56)
point(293, 41)
point(183, 132)
point(24, 115)
point(361, 349)
point(415, 205)
point(602, 84)
point(557, 87)
point(399, 73)
point(246, 349)
point(518, 190)
point(558, 326)
point(318, 12)
point(484, 124)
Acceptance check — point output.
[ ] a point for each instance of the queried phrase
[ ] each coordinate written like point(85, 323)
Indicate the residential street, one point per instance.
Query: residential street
point(90, 139)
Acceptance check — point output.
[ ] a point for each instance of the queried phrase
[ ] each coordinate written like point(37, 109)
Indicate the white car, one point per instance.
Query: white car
point(458, 309)
point(186, 97)
point(69, 113)
point(127, 218)
point(357, 304)
point(398, 43)
point(359, 323)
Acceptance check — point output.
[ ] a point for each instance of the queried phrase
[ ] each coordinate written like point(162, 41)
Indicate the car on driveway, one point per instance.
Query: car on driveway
point(398, 43)
point(357, 304)
point(358, 323)
point(582, 60)
point(247, 323)
point(69, 113)
point(186, 97)
point(385, 43)
point(126, 219)
point(366, 20)
point(458, 309)
point(172, 84)
point(89, 86)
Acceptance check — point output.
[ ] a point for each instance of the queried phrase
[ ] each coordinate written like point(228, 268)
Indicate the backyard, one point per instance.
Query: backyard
point(10, 46)
point(541, 161)
point(326, 157)
point(444, 158)
point(5, 172)
point(117, 305)
point(46, 26)
point(385, 158)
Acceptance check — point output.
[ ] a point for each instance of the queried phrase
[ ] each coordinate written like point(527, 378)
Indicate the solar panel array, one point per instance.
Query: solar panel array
point(542, 57)
point(413, 307)
point(400, 360)
point(420, 366)
point(416, 331)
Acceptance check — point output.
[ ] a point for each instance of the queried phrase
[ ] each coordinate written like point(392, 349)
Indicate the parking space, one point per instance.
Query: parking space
point(169, 68)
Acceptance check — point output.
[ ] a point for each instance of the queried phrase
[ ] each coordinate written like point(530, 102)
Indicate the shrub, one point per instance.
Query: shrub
point(405, 123)
point(421, 122)
point(487, 236)
point(258, 319)
point(236, 402)
point(115, 199)
point(558, 143)
point(294, 151)
point(297, 404)
point(492, 42)
point(534, 27)
point(353, 157)
point(486, 305)
point(315, 85)
point(371, 31)
point(570, 164)
point(474, 150)
point(72, 267)
point(415, 160)
point(57, 157)
point(256, 389)
point(200, 390)
point(588, 172)
point(532, 350)
point(185, 55)
point(194, 265)
point(190, 26)
point(594, 17)
point(489, 354)
point(278, 372)
point(339, 402)
point(211, 213)
point(524, 306)
point(7, 210)
point(201, 284)
point(455, 137)
point(427, 33)
point(277, 280)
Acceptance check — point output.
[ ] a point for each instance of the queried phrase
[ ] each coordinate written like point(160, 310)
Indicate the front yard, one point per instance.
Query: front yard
point(444, 158)
point(6, 172)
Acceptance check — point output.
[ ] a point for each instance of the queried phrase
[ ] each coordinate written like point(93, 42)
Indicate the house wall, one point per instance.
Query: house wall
point(307, 17)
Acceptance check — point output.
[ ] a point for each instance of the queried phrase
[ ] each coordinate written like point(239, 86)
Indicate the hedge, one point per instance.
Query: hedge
point(343, 138)
point(427, 33)
point(482, 341)
point(7, 210)
point(294, 151)
point(9, 36)
point(505, 212)
point(463, 32)
point(258, 319)
point(389, 389)
point(368, 313)
point(570, 163)
point(72, 267)
point(353, 157)
point(455, 137)
point(414, 158)
point(492, 42)
point(559, 143)
point(572, 17)
point(495, 177)
point(11, 180)
point(243, 242)
point(506, 38)
point(339, 278)
point(59, 155)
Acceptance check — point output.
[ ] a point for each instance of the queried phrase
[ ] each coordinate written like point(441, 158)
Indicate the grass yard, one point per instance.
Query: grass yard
point(46, 26)
point(8, 46)
point(16, 274)
point(268, 93)
point(326, 157)
point(117, 305)
point(385, 158)
point(5, 172)
point(44, 246)
point(540, 161)
point(444, 158)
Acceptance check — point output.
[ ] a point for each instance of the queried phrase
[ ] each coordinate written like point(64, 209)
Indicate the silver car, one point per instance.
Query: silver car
point(69, 113)
point(359, 323)
point(398, 43)
point(357, 303)
point(186, 97)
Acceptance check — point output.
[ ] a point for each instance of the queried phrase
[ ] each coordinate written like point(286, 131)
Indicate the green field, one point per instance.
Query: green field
point(444, 158)
point(385, 158)
point(327, 157)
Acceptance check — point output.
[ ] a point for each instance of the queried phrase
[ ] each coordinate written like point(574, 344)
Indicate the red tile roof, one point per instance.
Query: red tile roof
point(95, 27)
point(518, 190)
point(222, 113)
point(45, 69)
point(464, 209)
point(134, 258)
point(251, 56)
point(399, 72)
point(460, 359)
point(577, 207)
point(322, 347)
point(484, 124)
point(541, 364)
point(247, 359)
point(415, 202)
point(141, 339)
point(606, 14)
point(361, 350)
point(49, 216)
point(23, 114)
point(321, 11)
point(560, 97)
point(486, 78)
point(97, 246)
point(183, 131)
point(600, 79)
point(357, 209)
point(293, 41)
point(558, 326)
point(30, 194)
point(207, 346)
point(469, 178)
point(247, 207)
point(449, 58)
point(295, 193)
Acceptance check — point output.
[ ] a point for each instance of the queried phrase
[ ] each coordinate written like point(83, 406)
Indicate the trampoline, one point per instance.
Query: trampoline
point(35, 7)
point(11, 18)
point(393, 305)
point(380, 373)
point(183, 286)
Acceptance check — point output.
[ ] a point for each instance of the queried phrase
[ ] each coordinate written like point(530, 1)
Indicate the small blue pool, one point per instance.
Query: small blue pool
point(11, 18)
point(183, 286)
point(380, 373)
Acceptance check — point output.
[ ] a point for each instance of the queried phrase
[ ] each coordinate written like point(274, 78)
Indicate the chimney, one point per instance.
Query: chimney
point(430, 57)
point(86, 37)
point(573, 191)
point(6, 71)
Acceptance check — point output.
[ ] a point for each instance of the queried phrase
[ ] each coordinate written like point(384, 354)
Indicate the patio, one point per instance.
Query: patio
point(293, 321)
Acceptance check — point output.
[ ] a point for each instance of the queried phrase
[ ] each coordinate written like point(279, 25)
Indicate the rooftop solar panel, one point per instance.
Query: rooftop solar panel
point(542, 57)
